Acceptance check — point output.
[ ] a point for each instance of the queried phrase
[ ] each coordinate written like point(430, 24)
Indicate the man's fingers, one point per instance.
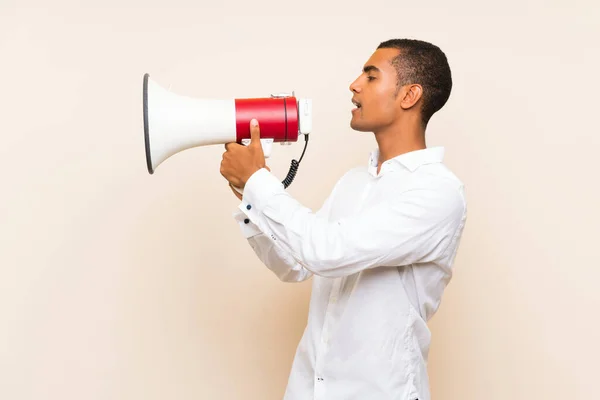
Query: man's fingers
point(228, 146)
point(254, 133)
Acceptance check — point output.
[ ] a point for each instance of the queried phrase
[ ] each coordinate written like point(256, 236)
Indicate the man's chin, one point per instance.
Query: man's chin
point(358, 126)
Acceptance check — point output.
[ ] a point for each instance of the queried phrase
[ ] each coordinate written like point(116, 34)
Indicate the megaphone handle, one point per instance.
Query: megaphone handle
point(267, 145)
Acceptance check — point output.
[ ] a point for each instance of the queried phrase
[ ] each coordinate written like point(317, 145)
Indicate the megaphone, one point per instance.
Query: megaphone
point(173, 123)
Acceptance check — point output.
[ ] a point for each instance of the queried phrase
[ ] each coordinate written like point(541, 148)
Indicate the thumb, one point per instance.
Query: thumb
point(254, 133)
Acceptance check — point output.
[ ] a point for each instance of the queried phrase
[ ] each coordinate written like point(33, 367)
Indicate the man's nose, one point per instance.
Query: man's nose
point(354, 88)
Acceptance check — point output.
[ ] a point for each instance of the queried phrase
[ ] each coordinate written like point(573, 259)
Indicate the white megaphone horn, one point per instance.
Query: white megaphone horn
point(173, 123)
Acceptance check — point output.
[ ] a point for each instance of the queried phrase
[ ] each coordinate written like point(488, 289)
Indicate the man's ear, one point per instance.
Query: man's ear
point(410, 95)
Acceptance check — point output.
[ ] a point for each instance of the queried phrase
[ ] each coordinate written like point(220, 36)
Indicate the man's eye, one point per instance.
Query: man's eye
point(370, 78)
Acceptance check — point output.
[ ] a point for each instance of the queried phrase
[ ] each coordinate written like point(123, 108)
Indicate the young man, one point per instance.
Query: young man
point(381, 248)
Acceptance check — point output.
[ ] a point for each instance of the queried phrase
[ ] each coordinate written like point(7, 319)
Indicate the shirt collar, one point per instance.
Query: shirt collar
point(411, 160)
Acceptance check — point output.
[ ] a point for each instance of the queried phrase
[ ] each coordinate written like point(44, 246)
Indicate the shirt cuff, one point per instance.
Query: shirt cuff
point(259, 189)
point(248, 228)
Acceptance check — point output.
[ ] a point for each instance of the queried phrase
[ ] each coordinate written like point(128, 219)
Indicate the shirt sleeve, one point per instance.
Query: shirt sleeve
point(414, 226)
point(285, 267)
point(276, 258)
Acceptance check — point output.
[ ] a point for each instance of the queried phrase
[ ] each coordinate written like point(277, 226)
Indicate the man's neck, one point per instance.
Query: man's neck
point(398, 140)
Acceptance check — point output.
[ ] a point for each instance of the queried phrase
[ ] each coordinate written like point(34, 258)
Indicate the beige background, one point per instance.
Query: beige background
point(115, 284)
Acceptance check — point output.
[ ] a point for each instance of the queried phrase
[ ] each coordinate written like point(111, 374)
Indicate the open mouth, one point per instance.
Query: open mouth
point(357, 104)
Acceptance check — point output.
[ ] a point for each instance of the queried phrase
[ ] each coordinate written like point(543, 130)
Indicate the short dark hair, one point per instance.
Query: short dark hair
point(425, 64)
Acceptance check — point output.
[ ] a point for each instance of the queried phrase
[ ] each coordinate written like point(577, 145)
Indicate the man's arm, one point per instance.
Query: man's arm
point(410, 227)
point(279, 261)
point(414, 226)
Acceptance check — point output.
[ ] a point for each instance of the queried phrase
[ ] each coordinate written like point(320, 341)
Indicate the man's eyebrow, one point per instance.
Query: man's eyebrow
point(370, 68)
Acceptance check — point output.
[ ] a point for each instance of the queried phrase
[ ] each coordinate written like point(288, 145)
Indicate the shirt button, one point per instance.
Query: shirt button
point(248, 207)
point(246, 221)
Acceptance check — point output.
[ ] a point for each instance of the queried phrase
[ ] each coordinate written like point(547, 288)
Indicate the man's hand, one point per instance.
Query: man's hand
point(240, 162)
point(238, 194)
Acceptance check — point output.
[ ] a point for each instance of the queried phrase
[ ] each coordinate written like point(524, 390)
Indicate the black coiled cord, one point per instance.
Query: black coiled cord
point(294, 167)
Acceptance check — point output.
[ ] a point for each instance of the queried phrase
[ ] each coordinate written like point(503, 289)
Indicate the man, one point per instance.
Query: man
point(381, 248)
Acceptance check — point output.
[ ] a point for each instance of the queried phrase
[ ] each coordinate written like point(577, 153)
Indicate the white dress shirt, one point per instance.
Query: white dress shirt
point(380, 252)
